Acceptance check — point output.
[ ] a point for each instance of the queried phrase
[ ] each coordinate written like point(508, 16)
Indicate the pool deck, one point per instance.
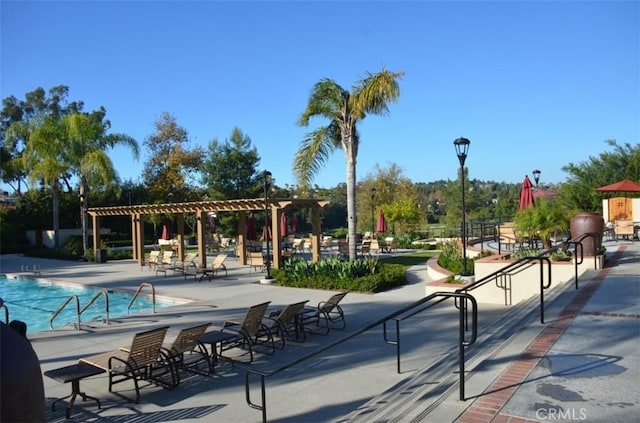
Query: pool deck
point(585, 360)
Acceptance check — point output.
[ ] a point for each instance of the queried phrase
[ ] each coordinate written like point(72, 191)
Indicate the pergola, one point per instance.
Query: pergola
point(201, 208)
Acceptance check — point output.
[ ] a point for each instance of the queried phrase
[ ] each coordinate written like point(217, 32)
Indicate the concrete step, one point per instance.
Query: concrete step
point(432, 392)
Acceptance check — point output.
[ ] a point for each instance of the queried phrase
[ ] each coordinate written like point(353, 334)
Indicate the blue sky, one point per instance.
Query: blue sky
point(535, 84)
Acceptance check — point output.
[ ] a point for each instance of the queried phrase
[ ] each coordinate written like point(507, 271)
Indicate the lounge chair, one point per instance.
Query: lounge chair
point(187, 353)
point(144, 360)
point(167, 262)
point(250, 331)
point(286, 323)
point(153, 259)
point(210, 272)
point(507, 235)
point(256, 260)
point(328, 312)
point(183, 266)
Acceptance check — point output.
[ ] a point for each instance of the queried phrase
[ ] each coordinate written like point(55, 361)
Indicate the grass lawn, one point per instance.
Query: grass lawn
point(412, 259)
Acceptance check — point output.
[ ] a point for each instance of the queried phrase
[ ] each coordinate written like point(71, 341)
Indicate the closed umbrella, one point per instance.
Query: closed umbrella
point(251, 228)
point(212, 223)
point(294, 224)
point(166, 229)
point(526, 194)
point(266, 233)
point(283, 225)
point(381, 223)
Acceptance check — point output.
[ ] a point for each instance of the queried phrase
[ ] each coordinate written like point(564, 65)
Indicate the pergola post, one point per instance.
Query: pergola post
point(316, 233)
point(202, 248)
point(95, 220)
point(241, 248)
point(139, 235)
point(180, 234)
point(135, 241)
point(276, 214)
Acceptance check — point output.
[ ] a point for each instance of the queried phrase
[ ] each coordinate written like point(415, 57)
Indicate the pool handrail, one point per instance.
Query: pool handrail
point(153, 295)
point(59, 310)
point(103, 292)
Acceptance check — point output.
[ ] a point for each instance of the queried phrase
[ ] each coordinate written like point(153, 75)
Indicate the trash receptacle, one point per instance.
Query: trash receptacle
point(101, 256)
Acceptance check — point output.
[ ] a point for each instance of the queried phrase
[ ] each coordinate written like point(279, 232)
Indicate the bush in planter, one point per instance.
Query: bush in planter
point(544, 219)
point(450, 258)
point(368, 275)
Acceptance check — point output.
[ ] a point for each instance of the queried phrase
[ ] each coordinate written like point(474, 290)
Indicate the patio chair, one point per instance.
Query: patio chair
point(392, 244)
point(286, 323)
point(328, 312)
point(187, 353)
point(256, 260)
point(166, 263)
point(624, 228)
point(250, 331)
point(507, 235)
point(183, 266)
point(153, 259)
point(211, 272)
point(144, 360)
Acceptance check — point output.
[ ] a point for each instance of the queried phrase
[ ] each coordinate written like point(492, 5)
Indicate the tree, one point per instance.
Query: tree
point(86, 156)
point(344, 109)
point(17, 120)
point(578, 192)
point(44, 157)
point(171, 162)
point(230, 172)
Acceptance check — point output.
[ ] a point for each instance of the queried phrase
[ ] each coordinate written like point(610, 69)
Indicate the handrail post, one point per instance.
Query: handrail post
point(263, 394)
point(462, 313)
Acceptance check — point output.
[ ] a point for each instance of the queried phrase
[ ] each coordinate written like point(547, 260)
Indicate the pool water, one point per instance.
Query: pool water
point(34, 301)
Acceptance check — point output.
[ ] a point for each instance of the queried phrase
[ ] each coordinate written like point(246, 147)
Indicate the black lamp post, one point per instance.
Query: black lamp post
point(373, 222)
point(462, 147)
point(536, 176)
point(266, 180)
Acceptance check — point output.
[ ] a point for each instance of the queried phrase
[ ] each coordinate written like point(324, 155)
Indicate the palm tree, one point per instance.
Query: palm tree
point(43, 157)
point(86, 155)
point(344, 109)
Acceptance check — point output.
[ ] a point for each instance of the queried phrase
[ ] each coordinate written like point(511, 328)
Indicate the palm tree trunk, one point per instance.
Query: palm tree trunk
point(56, 214)
point(352, 223)
point(83, 215)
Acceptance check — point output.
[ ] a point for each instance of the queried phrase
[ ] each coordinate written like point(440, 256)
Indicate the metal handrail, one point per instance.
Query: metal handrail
point(393, 316)
point(103, 292)
point(153, 295)
point(6, 311)
point(59, 310)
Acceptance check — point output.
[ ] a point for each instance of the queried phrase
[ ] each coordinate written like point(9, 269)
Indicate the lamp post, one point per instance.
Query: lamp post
point(373, 222)
point(266, 180)
point(462, 147)
point(536, 176)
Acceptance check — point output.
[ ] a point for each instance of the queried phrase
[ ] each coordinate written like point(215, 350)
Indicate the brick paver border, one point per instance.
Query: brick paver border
point(487, 407)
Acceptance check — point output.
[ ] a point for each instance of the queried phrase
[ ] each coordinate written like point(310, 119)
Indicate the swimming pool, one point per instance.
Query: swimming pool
point(34, 301)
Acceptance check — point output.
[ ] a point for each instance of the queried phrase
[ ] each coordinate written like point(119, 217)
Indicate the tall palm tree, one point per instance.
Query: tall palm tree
point(86, 156)
point(44, 160)
point(344, 109)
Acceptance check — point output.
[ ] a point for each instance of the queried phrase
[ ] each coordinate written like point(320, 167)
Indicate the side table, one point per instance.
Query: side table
point(73, 373)
point(213, 338)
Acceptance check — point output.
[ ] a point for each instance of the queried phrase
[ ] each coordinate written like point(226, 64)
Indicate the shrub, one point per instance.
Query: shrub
point(367, 275)
point(450, 258)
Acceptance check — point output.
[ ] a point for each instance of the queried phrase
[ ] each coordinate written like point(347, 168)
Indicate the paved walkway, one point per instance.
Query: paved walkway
point(583, 365)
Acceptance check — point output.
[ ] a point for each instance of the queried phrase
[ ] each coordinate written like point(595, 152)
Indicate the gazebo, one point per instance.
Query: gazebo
point(201, 209)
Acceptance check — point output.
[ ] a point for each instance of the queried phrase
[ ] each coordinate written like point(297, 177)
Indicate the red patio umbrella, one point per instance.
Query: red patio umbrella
point(266, 233)
point(251, 228)
point(381, 223)
point(166, 229)
point(294, 224)
point(526, 194)
point(621, 186)
point(283, 225)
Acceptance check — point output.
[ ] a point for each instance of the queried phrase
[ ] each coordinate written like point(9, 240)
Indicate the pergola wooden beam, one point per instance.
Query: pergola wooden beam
point(201, 208)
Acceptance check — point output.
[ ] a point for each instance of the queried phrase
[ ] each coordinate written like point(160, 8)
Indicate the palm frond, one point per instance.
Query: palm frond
point(314, 151)
point(373, 93)
point(327, 100)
